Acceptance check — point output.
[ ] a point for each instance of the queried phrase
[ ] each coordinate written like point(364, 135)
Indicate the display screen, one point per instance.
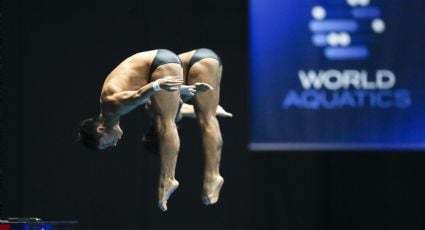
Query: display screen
point(337, 74)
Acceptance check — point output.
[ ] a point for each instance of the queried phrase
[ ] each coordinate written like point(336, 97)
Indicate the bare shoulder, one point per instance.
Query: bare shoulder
point(108, 90)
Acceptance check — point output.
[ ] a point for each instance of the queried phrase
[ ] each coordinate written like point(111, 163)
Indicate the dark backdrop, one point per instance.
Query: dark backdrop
point(55, 56)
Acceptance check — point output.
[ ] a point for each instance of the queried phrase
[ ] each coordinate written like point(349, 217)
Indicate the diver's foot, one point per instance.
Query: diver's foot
point(211, 190)
point(220, 112)
point(165, 190)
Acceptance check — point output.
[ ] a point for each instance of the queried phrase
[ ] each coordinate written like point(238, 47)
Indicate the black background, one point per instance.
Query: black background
point(55, 55)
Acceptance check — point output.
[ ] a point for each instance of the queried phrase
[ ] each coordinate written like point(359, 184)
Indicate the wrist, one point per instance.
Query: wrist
point(155, 86)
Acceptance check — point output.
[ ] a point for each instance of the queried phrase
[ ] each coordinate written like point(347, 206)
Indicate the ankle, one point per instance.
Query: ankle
point(212, 177)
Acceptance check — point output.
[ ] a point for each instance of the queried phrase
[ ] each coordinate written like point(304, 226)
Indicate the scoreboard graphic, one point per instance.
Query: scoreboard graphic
point(345, 30)
point(337, 74)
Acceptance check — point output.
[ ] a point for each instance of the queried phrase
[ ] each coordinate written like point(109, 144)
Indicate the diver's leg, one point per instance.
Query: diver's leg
point(165, 106)
point(209, 71)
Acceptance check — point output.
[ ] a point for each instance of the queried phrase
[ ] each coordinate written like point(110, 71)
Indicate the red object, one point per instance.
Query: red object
point(4, 226)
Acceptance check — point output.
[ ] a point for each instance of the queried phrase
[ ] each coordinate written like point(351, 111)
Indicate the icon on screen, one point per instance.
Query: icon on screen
point(345, 31)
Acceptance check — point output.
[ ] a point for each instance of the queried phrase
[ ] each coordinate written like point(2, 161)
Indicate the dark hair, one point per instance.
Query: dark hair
point(88, 135)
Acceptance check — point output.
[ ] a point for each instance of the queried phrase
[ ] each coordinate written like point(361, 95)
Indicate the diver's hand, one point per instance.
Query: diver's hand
point(202, 87)
point(188, 90)
point(170, 83)
point(192, 90)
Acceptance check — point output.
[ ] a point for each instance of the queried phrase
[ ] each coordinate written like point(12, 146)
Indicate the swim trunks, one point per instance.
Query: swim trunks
point(162, 57)
point(199, 55)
